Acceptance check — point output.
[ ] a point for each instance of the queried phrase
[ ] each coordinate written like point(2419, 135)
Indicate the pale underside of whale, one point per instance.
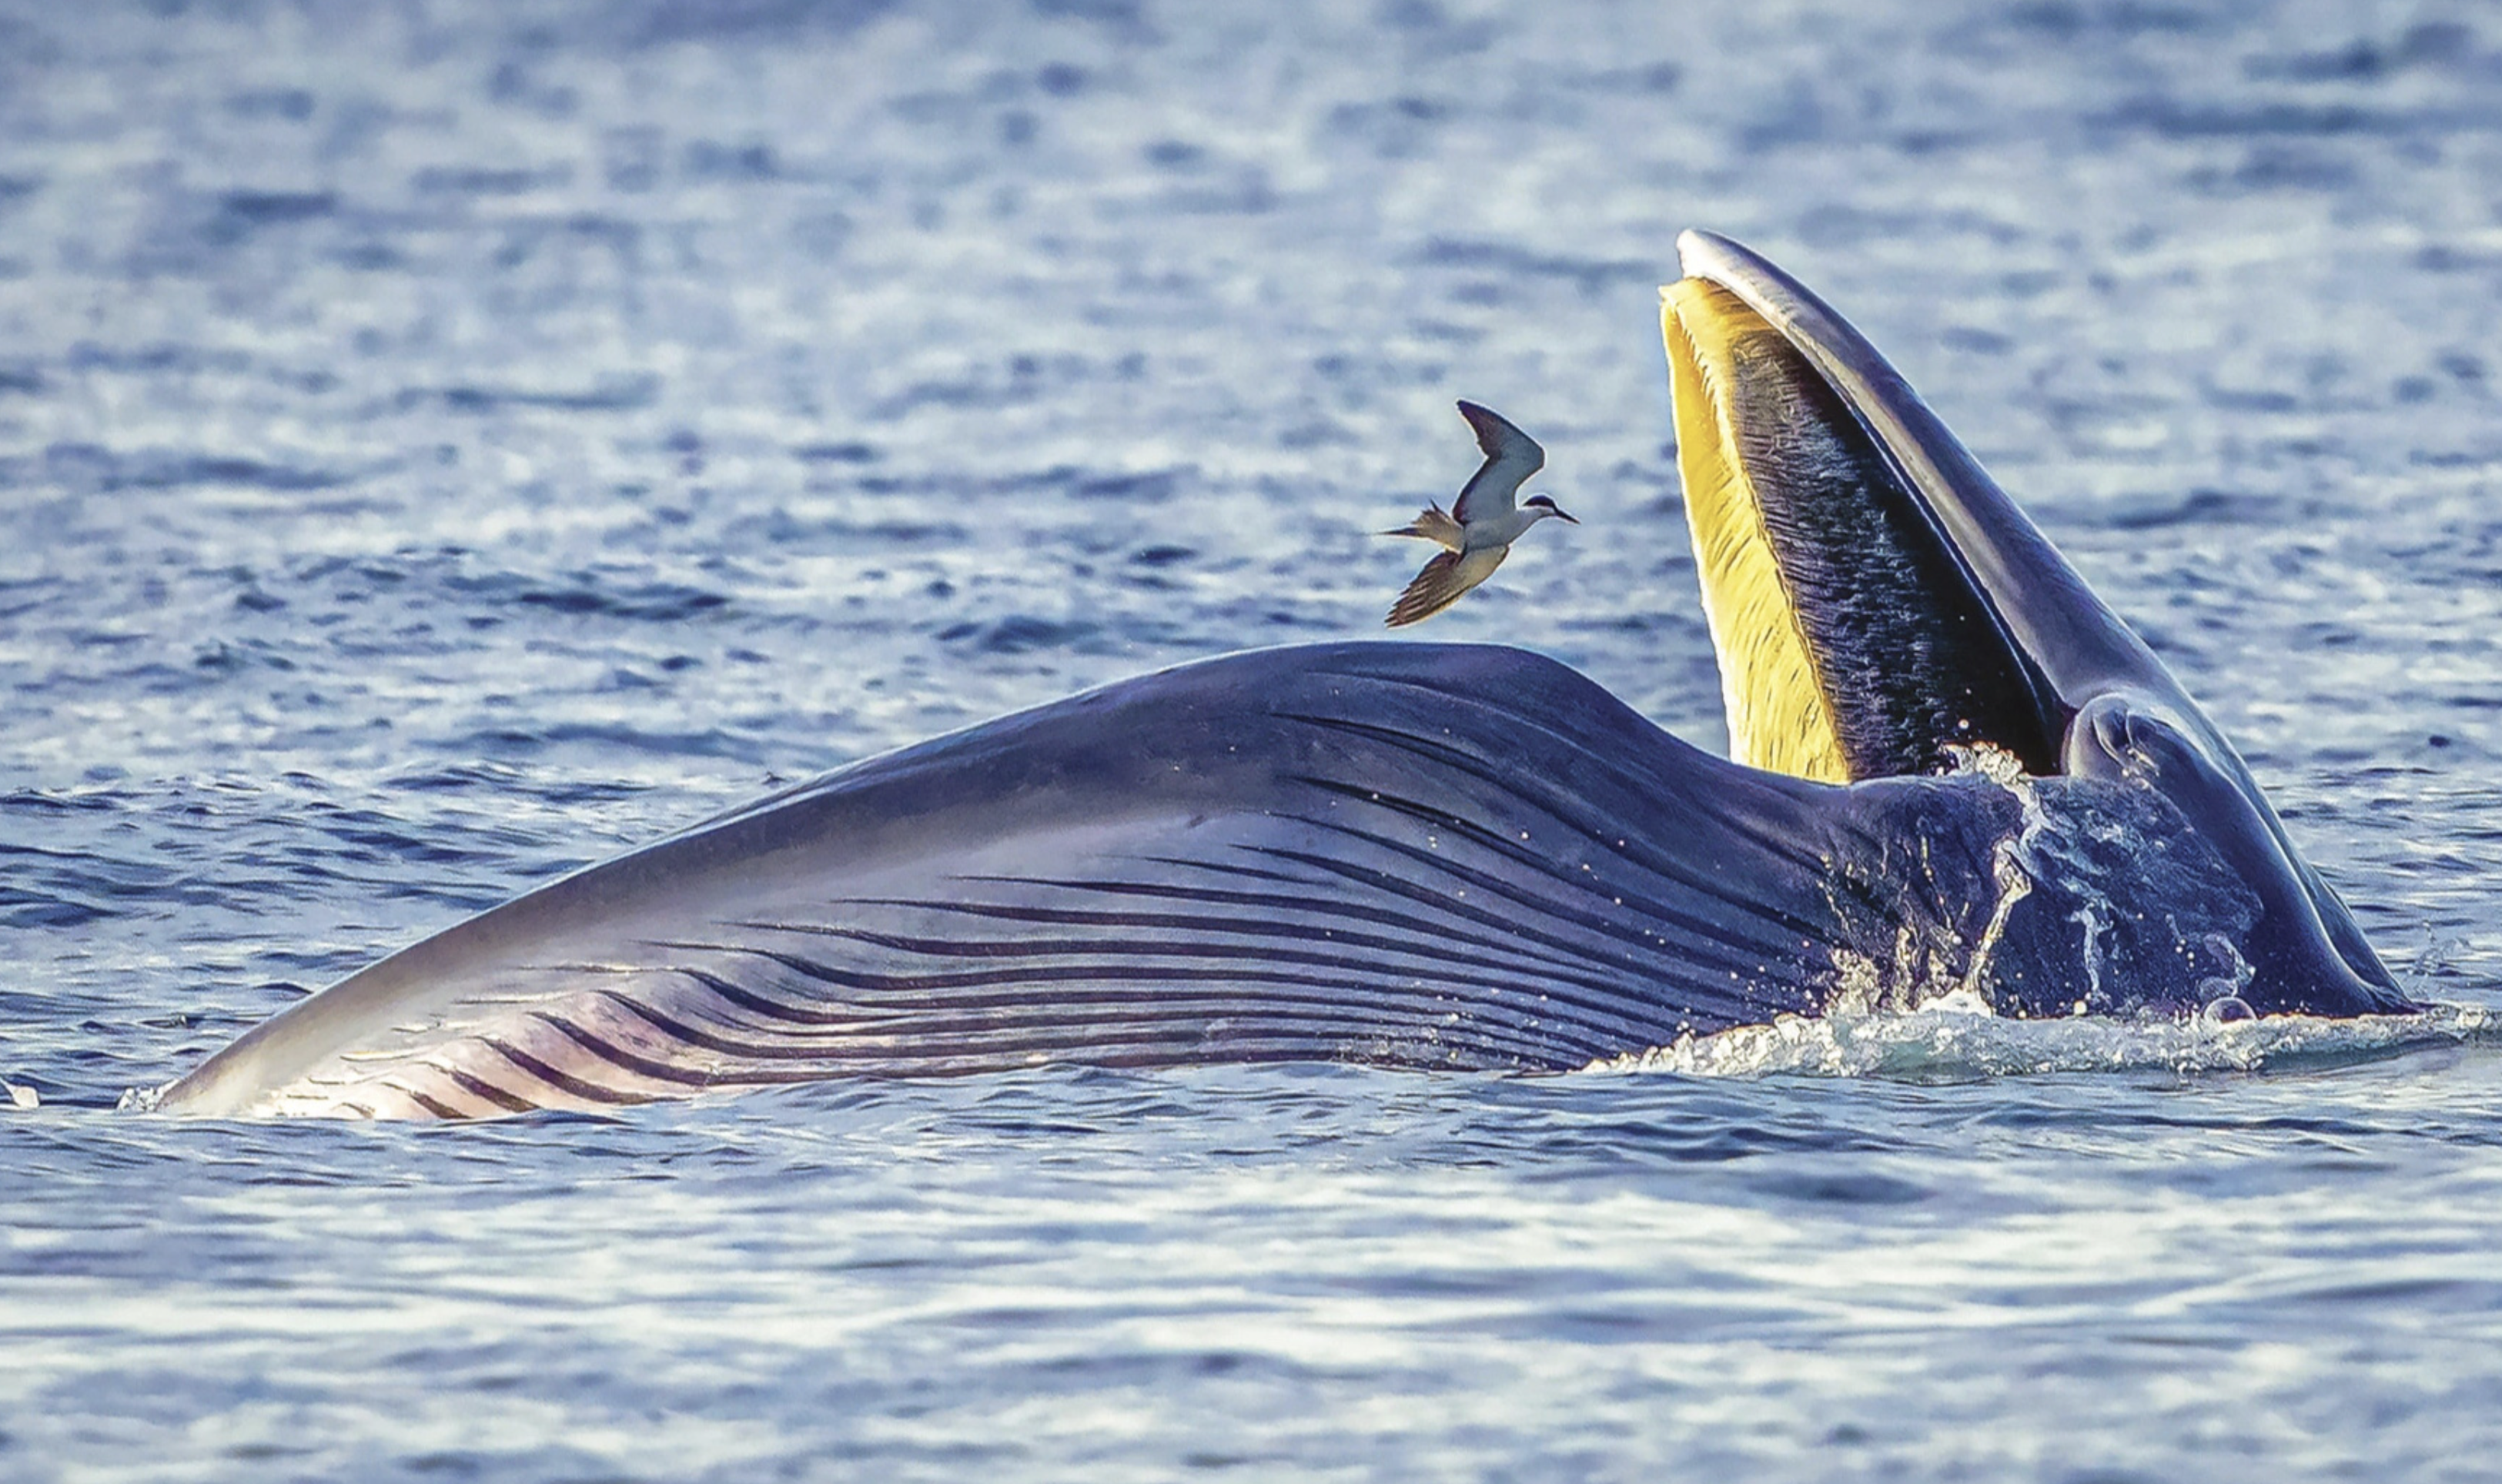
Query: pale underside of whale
point(1954, 769)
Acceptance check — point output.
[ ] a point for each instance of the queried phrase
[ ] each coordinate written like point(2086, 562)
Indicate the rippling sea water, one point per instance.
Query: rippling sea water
point(443, 444)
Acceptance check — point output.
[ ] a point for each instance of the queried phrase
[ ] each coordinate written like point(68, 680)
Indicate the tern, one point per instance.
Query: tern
point(1482, 523)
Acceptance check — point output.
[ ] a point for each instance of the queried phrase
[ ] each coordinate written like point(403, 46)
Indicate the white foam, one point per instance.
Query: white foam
point(1956, 1038)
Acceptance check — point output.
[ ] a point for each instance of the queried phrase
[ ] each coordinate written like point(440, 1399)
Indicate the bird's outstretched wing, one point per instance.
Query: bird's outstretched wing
point(1511, 457)
point(1444, 577)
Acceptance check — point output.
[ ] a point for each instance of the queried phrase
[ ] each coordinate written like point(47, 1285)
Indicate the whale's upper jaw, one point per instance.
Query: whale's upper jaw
point(1879, 604)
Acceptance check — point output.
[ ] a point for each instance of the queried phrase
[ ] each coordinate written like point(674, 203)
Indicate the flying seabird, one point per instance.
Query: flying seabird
point(1482, 523)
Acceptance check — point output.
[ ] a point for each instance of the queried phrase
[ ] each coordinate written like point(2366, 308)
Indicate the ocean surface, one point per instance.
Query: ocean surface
point(444, 444)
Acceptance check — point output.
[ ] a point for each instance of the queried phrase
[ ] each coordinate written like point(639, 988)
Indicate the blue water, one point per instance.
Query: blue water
point(443, 444)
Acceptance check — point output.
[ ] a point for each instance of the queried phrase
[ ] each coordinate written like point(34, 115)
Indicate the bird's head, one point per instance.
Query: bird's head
point(1546, 507)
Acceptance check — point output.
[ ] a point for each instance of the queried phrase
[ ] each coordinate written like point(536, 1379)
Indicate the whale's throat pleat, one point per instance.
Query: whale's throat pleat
point(1851, 644)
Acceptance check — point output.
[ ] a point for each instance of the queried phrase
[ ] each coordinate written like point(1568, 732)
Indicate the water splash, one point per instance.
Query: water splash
point(2041, 898)
point(1956, 1038)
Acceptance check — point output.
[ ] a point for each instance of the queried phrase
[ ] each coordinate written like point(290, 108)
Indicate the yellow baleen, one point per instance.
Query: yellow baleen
point(1779, 717)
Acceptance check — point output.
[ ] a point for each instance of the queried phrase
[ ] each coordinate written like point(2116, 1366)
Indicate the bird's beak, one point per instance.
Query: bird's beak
point(1576, 520)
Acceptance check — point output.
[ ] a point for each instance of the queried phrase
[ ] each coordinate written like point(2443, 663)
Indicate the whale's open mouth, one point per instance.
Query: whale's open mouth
point(1878, 603)
point(1852, 643)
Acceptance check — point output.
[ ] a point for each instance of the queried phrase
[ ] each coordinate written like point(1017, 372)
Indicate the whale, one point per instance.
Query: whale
point(1952, 770)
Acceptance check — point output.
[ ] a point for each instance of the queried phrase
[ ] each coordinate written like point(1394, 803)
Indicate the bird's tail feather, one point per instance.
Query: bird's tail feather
point(1434, 526)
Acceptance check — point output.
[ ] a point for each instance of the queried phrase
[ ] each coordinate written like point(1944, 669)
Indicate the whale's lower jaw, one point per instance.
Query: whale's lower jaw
point(1331, 853)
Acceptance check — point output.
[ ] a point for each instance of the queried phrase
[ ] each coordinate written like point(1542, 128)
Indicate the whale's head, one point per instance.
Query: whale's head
point(1881, 609)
